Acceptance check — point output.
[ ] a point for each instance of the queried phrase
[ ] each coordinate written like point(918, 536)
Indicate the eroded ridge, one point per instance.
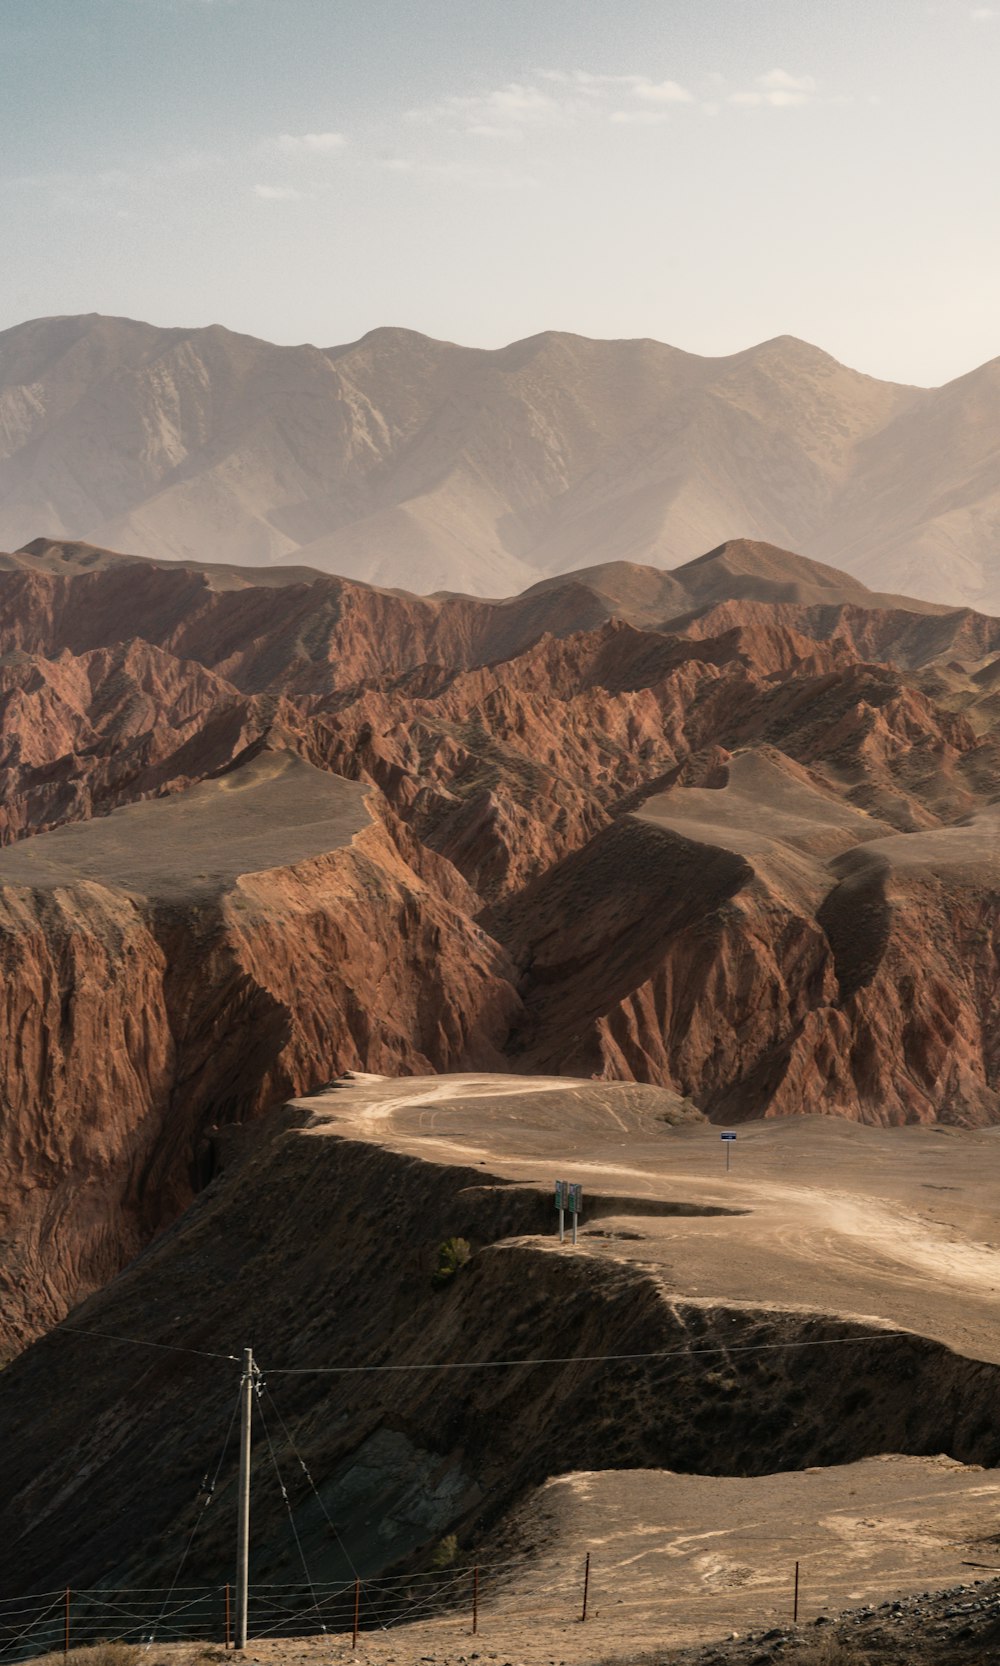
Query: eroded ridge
point(665, 1341)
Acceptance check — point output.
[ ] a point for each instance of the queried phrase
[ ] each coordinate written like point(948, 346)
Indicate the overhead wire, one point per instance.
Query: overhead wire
point(318, 1602)
point(209, 1490)
point(316, 1492)
point(587, 1359)
point(284, 1493)
point(140, 1342)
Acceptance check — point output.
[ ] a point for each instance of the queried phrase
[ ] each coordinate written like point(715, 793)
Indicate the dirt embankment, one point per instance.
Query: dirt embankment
point(319, 1252)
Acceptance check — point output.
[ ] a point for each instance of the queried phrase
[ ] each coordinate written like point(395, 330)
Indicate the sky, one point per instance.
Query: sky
point(710, 173)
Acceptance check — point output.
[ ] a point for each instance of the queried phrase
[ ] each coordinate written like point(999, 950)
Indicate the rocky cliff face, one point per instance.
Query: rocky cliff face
point(770, 951)
point(730, 833)
point(174, 970)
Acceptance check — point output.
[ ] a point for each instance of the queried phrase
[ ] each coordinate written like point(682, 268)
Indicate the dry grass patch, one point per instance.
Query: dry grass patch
point(117, 1653)
point(829, 1651)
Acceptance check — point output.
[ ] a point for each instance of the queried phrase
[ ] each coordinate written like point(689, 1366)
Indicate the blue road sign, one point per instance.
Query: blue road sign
point(727, 1136)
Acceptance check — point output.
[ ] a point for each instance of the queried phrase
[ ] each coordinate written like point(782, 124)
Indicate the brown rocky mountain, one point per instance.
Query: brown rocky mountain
point(405, 461)
point(729, 831)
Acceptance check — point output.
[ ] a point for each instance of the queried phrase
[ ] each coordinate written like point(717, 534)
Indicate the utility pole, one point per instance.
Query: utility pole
point(243, 1519)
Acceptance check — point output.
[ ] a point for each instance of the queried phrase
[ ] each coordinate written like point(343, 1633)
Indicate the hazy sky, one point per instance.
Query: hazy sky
point(708, 172)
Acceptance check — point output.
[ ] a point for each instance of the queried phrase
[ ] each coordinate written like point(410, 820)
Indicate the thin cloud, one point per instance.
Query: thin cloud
point(277, 193)
point(488, 130)
point(554, 98)
point(779, 80)
point(662, 92)
point(310, 144)
point(779, 90)
point(639, 118)
point(517, 104)
point(457, 173)
point(548, 98)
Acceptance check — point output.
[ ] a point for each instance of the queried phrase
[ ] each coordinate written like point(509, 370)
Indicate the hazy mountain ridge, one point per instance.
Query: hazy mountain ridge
point(405, 461)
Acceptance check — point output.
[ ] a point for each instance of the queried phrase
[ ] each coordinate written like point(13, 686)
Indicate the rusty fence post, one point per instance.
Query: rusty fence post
point(475, 1600)
point(228, 1620)
point(66, 1625)
point(795, 1609)
point(357, 1612)
point(586, 1585)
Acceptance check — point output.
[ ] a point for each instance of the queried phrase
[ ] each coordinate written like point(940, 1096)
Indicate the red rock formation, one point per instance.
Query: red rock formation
point(212, 978)
point(548, 781)
point(770, 951)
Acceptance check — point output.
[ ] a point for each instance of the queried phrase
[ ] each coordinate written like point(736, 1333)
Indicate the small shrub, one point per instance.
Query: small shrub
point(445, 1551)
point(103, 1653)
point(452, 1254)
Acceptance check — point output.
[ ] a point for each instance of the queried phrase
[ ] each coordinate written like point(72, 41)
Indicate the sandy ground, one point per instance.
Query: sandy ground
point(900, 1224)
point(681, 1559)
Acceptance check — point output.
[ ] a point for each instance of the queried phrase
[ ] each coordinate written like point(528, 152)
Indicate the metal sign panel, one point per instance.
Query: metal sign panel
point(727, 1136)
point(562, 1188)
point(576, 1198)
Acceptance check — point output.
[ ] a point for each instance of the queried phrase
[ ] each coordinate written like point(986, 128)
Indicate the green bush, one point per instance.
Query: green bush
point(452, 1254)
point(446, 1550)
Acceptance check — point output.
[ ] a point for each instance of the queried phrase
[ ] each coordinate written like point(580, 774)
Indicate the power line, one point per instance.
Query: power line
point(504, 1364)
point(587, 1359)
point(141, 1342)
point(208, 1488)
point(308, 1475)
point(318, 1495)
point(284, 1492)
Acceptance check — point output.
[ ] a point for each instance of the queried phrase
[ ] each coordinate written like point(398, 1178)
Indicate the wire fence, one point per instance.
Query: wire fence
point(489, 1598)
point(54, 1622)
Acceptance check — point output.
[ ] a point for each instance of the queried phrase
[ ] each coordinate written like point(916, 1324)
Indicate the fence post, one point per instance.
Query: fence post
point(586, 1585)
point(66, 1626)
point(228, 1629)
point(357, 1611)
point(795, 1610)
point(475, 1600)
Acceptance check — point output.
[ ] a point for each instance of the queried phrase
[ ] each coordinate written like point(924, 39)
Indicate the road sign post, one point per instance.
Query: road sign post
point(575, 1204)
point(729, 1138)
point(568, 1196)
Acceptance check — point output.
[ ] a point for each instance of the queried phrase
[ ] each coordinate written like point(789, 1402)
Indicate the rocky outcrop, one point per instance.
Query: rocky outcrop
point(768, 950)
point(176, 969)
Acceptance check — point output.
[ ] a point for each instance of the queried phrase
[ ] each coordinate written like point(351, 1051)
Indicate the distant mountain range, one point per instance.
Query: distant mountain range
point(409, 462)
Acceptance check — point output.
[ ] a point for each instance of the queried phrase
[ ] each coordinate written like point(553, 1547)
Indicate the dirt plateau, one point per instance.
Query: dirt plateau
point(729, 831)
